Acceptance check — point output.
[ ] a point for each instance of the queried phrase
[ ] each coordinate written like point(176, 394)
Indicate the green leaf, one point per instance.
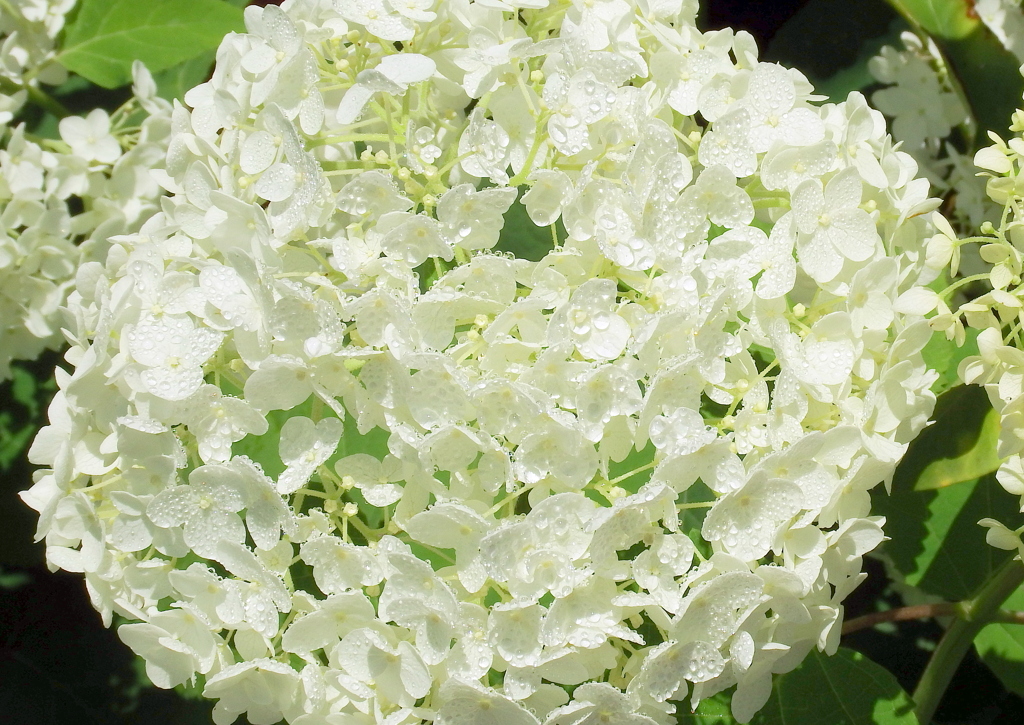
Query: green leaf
point(935, 541)
point(942, 18)
point(640, 461)
point(959, 446)
point(845, 689)
point(523, 238)
point(14, 440)
point(988, 76)
point(264, 449)
point(976, 461)
point(1001, 647)
point(944, 355)
point(106, 36)
point(174, 82)
point(23, 389)
point(712, 711)
point(24, 401)
point(13, 580)
point(375, 442)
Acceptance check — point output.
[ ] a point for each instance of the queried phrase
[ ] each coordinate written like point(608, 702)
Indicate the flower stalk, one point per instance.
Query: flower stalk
point(975, 614)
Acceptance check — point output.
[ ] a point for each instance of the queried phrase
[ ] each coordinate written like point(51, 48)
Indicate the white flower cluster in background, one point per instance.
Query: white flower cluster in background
point(28, 35)
point(61, 200)
point(1005, 19)
point(342, 458)
point(927, 112)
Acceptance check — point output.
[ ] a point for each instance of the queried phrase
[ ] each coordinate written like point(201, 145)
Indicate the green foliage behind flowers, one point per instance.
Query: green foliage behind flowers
point(107, 37)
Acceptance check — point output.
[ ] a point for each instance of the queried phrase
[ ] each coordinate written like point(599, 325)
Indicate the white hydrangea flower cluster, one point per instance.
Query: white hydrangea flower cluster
point(997, 314)
point(28, 36)
point(341, 458)
point(926, 110)
point(61, 200)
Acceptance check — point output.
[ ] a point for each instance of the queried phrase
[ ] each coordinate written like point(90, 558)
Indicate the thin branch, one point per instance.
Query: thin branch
point(902, 614)
point(924, 611)
point(1005, 617)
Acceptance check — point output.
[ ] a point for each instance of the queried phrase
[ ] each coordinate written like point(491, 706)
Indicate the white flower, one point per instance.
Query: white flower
point(233, 686)
point(339, 567)
point(473, 219)
point(588, 321)
point(321, 629)
point(578, 102)
point(729, 144)
point(90, 137)
point(305, 446)
point(207, 508)
point(217, 421)
point(171, 353)
point(395, 669)
point(175, 645)
point(393, 75)
point(597, 702)
point(832, 225)
point(381, 17)
point(468, 702)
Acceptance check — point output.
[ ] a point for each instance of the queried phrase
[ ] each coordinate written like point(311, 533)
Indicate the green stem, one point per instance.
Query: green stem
point(37, 96)
point(976, 613)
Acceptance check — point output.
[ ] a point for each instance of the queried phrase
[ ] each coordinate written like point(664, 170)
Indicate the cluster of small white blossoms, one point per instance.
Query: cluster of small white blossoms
point(1006, 21)
point(999, 366)
point(338, 456)
point(61, 200)
point(926, 112)
point(28, 36)
point(926, 109)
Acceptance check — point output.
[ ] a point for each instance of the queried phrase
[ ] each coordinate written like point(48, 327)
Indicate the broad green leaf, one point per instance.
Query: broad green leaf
point(23, 390)
point(711, 711)
point(375, 442)
point(845, 689)
point(264, 449)
point(944, 356)
point(959, 446)
point(691, 519)
point(14, 440)
point(978, 460)
point(935, 541)
point(106, 36)
point(521, 237)
point(988, 76)
point(174, 82)
point(24, 400)
point(1001, 647)
point(942, 18)
point(639, 461)
point(14, 579)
